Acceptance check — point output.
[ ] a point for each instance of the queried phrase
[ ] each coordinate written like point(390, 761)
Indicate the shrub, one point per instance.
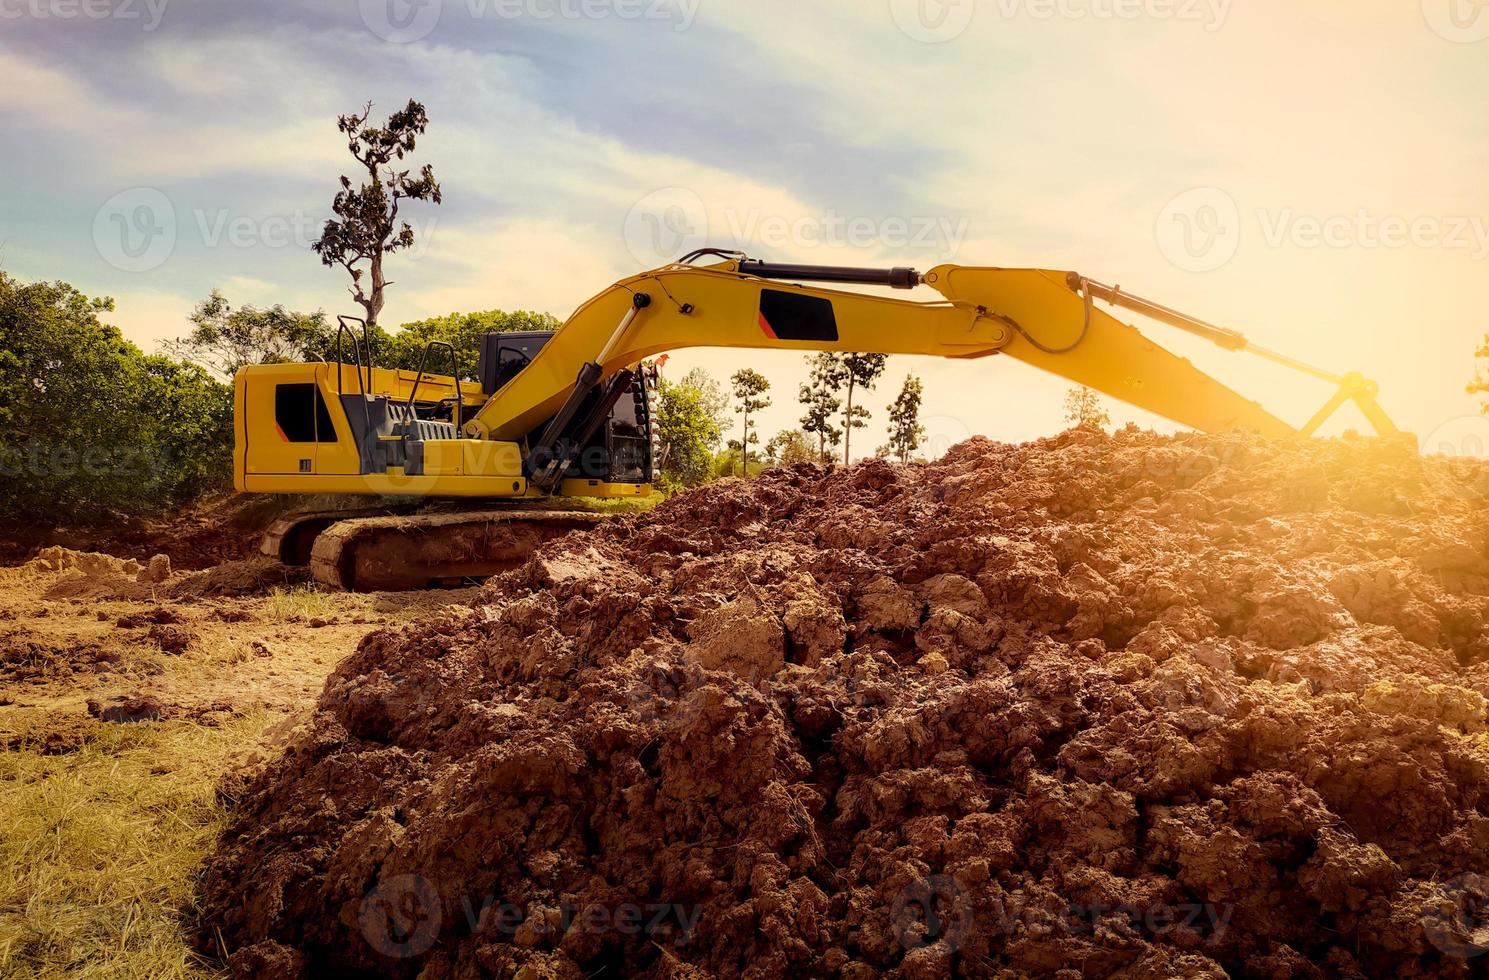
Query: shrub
point(92, 428)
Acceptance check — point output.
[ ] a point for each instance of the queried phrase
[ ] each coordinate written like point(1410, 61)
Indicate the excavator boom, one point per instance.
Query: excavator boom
point(1044, 318)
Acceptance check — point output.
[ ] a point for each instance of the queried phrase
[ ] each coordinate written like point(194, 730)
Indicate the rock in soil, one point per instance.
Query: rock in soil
point(173, 640)
point(1115, 706)
point(129, 709)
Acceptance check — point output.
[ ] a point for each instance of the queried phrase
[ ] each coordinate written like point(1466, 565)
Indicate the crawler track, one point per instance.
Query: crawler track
point(398, 553)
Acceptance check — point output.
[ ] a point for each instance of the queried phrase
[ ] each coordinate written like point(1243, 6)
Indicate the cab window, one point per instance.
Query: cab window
point(301, 414)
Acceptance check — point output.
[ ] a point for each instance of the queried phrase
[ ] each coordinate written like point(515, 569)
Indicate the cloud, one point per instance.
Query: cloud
point(149, 316)
point(519, 264)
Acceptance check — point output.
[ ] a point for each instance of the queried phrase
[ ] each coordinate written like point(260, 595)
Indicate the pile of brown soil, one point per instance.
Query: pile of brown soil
point(250, 576)
point(90, 575)
point(1093, 706)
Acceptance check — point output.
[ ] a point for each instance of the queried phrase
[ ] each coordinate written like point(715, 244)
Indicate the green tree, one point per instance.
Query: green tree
point(685, 432)
point(91, 428)
point(224, 339)
point(822, 403)
point(789, 447)
point(905, 430)
point(715, 398)
point(859, 371)
point(404, 347)
point(726, 461)
point(750, 387)
point(367, 226)
point(193, 416)
point(1084, 410)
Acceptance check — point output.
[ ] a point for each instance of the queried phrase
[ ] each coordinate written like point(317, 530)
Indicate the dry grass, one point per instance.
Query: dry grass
point(98, 849)
point(614, 505)
point(302, 602)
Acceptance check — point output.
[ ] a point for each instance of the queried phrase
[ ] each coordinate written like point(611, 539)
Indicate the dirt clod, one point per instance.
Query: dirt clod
point(128, 710)
point(1115, 706)
point(157, 570)
point(172, 639)
point(158, 616)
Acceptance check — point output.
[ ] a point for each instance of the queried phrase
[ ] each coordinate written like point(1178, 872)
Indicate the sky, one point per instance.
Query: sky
point(1312, 174)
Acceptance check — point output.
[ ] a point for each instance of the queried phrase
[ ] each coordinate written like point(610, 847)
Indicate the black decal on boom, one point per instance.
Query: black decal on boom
point(792, 316)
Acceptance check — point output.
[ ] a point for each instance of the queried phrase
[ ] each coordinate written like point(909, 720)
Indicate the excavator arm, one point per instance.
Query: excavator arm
point(1045, 318)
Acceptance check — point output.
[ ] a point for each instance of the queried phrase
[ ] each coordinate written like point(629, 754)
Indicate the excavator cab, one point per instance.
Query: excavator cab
point(619, 449)
point(504, 355)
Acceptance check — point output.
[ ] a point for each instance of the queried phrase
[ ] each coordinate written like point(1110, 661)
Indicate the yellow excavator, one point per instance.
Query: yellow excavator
point(568, 413)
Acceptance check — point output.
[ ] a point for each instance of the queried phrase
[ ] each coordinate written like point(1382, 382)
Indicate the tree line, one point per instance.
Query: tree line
point(694, 414)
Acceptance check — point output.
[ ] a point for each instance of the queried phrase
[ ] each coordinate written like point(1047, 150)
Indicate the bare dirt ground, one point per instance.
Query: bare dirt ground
point(130, 695)
point(1096, 706)
point(86, 639)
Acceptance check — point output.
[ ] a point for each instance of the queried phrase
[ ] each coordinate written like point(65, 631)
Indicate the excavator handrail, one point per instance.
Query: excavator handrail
point(342, 328)
point(454, 372)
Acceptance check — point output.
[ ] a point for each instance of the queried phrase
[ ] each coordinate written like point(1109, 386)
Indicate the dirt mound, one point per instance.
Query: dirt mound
point(251, 576)
point(1118, 706)
point(129, 709)
point(56, 560)
point(91, 575)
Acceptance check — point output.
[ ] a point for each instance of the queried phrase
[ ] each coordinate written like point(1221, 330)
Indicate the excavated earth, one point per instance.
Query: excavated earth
point(1127, 706)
